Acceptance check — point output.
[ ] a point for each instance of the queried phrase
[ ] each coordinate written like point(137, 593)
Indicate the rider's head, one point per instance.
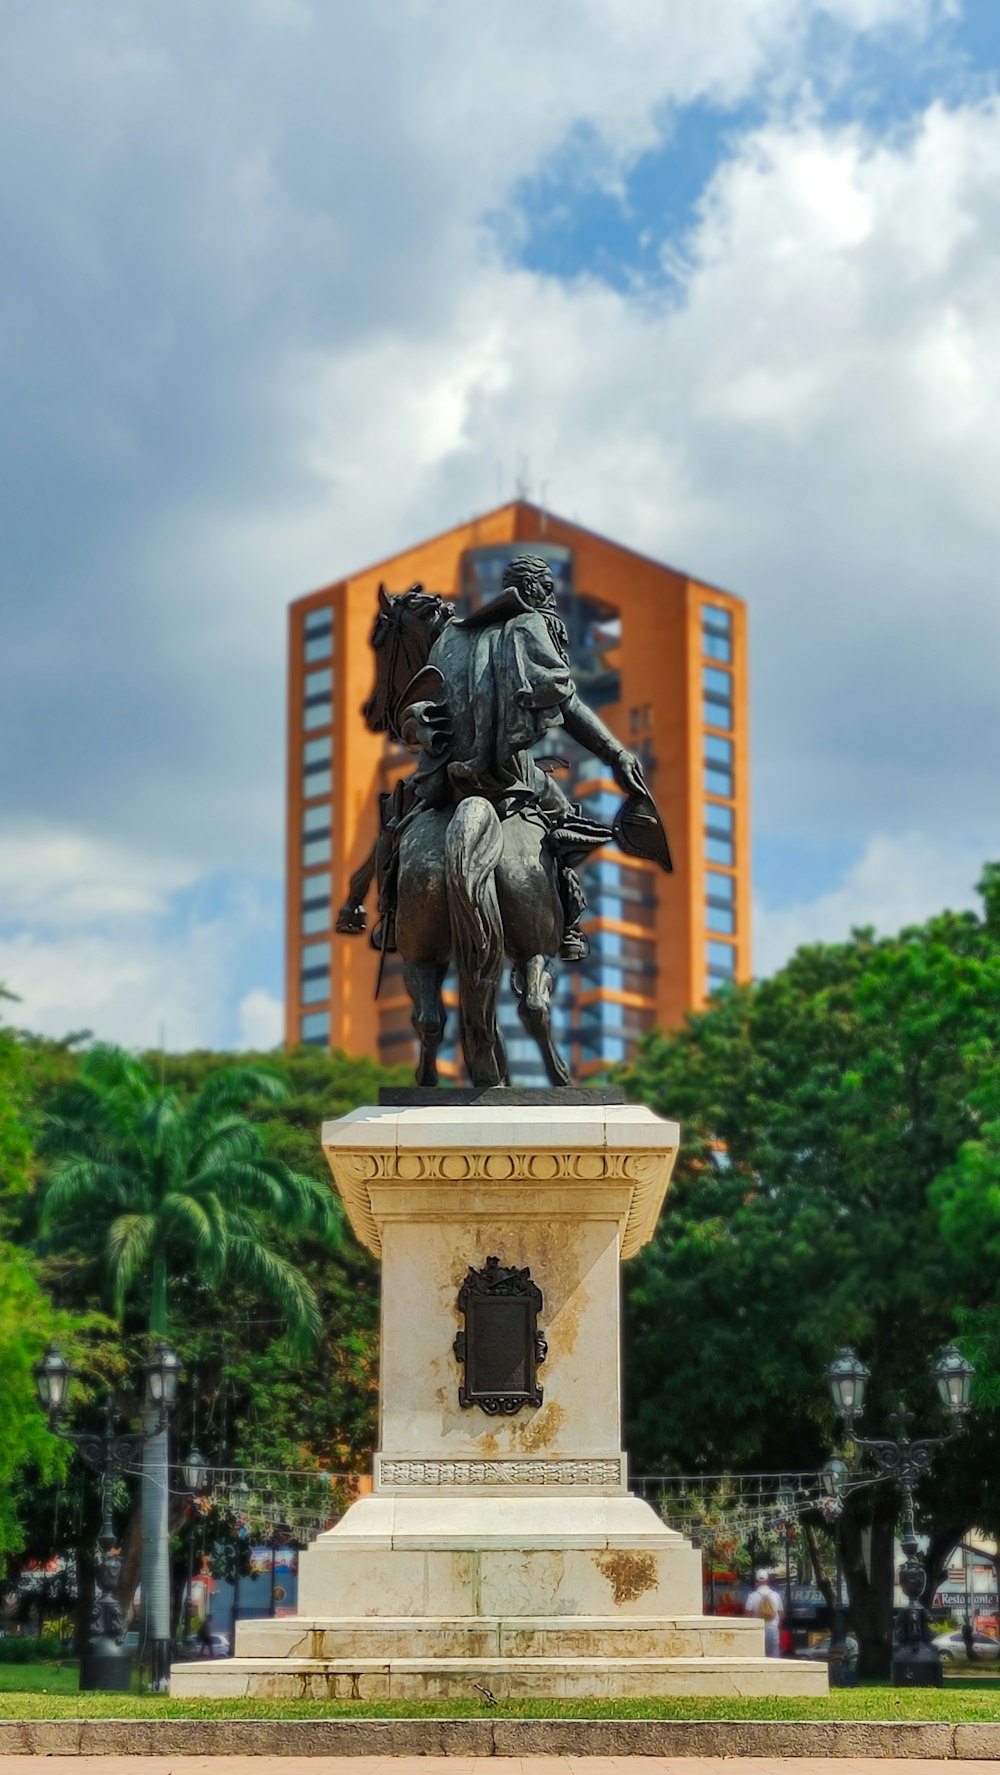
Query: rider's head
point(531, 577)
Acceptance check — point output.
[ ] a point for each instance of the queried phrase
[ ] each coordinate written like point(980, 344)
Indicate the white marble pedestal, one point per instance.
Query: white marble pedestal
point(501, 1553)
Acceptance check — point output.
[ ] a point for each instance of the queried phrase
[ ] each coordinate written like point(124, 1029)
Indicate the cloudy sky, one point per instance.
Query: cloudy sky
point(288, 284)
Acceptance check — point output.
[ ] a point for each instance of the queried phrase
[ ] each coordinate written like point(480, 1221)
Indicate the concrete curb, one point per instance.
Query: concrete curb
point(499, 1737)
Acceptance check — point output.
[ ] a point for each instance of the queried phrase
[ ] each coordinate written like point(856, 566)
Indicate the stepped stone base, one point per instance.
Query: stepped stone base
point(425, 1598)
point(406, 1679)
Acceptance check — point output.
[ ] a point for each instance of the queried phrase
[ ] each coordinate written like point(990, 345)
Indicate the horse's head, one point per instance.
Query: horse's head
point(404, 632)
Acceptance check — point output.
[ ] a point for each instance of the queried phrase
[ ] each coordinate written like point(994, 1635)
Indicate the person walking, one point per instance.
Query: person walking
point(766, 1605)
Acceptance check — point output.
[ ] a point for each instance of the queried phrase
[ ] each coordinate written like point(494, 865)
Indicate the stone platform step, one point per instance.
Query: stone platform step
point(518, 1636)
point(414, 1679)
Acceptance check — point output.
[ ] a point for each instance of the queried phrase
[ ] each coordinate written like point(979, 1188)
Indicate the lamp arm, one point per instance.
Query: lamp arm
point(905, 1461)
point(113, 1453)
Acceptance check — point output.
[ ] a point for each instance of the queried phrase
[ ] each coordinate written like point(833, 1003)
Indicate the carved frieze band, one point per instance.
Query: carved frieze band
point(500, 1167)
point(500, 1473)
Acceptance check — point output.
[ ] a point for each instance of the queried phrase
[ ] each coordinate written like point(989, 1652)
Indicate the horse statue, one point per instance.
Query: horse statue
point(477, 852)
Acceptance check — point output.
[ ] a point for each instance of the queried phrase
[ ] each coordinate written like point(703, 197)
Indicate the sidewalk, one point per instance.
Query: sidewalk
point(322, 1765)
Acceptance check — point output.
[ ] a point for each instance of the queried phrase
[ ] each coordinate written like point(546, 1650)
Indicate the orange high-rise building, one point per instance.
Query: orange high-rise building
point(663, 658)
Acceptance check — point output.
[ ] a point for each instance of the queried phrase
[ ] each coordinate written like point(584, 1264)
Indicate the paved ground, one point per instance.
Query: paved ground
point(320, 1765)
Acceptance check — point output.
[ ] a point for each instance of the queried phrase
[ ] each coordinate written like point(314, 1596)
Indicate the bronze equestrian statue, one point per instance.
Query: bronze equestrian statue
point(477, 853)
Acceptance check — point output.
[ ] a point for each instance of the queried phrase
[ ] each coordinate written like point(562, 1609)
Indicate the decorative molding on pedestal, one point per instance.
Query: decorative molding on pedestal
point(378, 1151)
point(391, 1473)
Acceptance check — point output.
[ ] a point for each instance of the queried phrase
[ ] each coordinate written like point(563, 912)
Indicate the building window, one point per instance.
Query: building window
point(314, 1028)
point(720, 850)
point(318, 782)
point(316, 918)
point(317, 715)
point(721, 957)
point(717, 714)
point(319, 647)
point(716, 632)
point(721, 919)
point(717, 684)
point(316, 753)
point(318, 621)
point(718, 782)
point(314, 956)
point(718, 750)
point(318, 685)
point(316, 887)
point(720, 887)
point(316, 819)
point(719, 819)
point(315, 990)
point(316, 850)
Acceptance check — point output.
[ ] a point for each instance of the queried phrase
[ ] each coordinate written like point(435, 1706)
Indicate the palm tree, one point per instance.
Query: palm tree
point(160, 1186)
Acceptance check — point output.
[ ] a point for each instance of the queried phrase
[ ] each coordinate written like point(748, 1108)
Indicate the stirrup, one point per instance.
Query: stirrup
point(574, 946)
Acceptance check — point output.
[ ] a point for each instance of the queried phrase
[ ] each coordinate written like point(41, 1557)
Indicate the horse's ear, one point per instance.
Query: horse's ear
point(417, 587)
point(384, 601)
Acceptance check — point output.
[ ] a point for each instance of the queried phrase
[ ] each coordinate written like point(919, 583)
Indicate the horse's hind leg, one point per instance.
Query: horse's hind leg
point(424, 980)
point(533, 982)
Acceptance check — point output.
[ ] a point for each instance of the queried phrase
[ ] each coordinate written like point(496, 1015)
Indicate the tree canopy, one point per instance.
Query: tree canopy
point(838, 1177)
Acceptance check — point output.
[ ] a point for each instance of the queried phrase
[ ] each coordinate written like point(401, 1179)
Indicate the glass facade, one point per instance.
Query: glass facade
point(719, 763)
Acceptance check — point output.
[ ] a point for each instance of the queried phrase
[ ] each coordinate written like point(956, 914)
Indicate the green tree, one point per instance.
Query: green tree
point(828, 1114)
point(27, 1319)
point(162, 1186)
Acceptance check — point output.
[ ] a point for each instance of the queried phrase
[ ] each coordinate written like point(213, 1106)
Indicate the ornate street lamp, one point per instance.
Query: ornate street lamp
point(833, 1479)
point(953, 1376)
point(195, 1471)
point(53, 1375)
point(162, 1374)
point(848, 1381)
point(163, 1369)
point(916, 1660)
point(104, 1664)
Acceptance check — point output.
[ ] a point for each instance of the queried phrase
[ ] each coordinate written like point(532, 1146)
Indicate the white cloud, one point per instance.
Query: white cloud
point(61, 877)
point(261, 1021)
point(98, 936)
point(898, 881)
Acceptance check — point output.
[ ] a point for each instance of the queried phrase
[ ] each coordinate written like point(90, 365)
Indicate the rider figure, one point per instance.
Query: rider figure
point(510, 660)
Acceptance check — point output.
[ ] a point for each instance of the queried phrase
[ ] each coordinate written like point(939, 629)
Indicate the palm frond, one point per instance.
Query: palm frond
point(184, 1217)
point(230, 1137)
point(130, 1242)
point(235, 1087)
point(76, 1183)
point(281, 1283)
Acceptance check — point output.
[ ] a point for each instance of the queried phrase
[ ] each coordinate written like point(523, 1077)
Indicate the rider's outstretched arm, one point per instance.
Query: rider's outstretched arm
point(352, 917)
point(589, 730)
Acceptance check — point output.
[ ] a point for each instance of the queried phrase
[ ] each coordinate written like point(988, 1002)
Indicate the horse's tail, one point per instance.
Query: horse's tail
point(473, 847)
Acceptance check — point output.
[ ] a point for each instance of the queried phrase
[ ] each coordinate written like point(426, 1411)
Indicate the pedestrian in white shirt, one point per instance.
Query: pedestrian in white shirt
point(767, 1606)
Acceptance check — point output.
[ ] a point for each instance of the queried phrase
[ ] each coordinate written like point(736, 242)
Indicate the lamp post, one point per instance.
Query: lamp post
point(162, 1372)
point(833, 1480)
point(916, 1661)
point(788, 1518)
point(104, 1664)
point(194, 1472)
point(240, 1498)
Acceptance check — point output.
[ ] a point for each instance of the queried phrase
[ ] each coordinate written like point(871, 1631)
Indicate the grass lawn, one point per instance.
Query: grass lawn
point(48, 1691)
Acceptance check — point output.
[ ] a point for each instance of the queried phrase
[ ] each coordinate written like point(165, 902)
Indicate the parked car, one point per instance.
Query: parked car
point(985, 1649)
point(821, 1649)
